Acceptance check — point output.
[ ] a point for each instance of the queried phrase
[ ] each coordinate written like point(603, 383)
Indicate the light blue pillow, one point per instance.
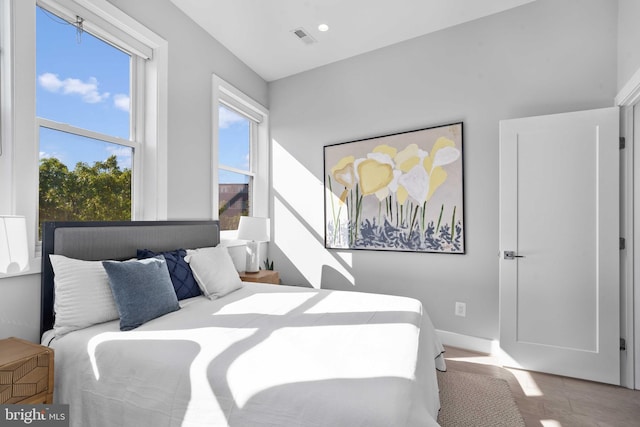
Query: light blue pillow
point(142, 290)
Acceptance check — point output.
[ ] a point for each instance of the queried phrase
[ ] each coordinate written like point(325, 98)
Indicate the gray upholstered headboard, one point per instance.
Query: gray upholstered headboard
point(115, 240)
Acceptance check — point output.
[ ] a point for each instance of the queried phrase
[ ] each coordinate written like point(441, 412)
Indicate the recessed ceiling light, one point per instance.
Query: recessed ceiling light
point(323, 27)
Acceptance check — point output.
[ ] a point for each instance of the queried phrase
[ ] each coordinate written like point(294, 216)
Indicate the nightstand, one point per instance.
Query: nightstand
point(26, 372)
point(263, 276)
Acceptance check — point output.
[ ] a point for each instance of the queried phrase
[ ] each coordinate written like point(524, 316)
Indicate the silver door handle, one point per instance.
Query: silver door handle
point(511, 255)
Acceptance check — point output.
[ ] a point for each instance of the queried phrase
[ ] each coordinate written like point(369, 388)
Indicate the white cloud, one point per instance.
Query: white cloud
point(121, 102)
point(87, 90)
point(50, 82)
point(45, 155)
point(123, 154)
point(228, 117)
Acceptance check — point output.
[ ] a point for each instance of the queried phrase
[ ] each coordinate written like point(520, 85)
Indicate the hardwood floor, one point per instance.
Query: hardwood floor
point(553, 401)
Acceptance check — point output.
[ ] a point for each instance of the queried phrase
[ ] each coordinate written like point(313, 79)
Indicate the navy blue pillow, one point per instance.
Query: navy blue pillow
point(141, 289)
point(182, 278)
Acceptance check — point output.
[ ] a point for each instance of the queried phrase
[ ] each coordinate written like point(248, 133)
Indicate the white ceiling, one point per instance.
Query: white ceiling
point(259, 32)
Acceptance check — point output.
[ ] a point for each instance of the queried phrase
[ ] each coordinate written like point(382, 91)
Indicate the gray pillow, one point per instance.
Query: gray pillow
point(142, 290)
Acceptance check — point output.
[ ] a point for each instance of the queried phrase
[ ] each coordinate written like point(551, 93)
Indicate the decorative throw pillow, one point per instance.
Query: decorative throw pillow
point(182, 278)
point(142, 290)
point(214, 271)
point(82, 296)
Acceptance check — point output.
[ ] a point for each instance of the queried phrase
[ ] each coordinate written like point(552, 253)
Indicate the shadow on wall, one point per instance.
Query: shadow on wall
point(298, 240)
point(336, 279)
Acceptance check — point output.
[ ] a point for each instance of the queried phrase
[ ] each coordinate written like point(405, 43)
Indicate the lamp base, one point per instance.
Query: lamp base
point(253, 264)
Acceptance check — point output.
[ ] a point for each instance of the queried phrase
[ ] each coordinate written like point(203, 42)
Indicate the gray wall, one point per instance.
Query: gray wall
point(20, 307)
point(628, 40)
point(545, 57)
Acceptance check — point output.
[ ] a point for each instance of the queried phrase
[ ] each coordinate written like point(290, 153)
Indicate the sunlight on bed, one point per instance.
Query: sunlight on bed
point(201, 336)
point(298, 355)
point(266, 303)
point(203, 399)
point(351, 302)
point(304, 337)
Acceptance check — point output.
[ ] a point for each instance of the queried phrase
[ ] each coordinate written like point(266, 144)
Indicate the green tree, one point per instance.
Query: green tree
point(101, 192)
point(55, 180)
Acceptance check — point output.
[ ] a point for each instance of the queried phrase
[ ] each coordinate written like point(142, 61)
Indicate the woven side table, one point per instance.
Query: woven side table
point(26, 372)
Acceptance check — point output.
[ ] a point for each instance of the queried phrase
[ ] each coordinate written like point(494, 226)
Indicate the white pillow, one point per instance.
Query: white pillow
point(82, 294)
point(214, 271)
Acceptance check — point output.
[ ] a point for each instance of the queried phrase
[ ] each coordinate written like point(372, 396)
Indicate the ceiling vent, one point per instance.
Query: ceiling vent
point(303, 35)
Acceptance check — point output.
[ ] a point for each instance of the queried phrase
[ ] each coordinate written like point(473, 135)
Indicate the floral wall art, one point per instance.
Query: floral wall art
point(400, 192)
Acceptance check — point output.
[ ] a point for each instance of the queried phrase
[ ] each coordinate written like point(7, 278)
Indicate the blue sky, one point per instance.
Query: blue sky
point(84, 82)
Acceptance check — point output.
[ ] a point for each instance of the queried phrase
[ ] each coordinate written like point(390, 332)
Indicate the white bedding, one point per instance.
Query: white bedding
point(262, 355)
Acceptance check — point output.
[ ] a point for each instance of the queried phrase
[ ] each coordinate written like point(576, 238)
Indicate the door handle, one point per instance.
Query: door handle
point(511, 255)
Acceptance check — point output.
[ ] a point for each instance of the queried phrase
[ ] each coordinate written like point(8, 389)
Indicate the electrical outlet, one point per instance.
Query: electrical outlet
point(461, 309)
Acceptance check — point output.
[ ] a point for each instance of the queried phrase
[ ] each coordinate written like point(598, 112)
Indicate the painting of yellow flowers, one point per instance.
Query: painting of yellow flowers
point(400, 192)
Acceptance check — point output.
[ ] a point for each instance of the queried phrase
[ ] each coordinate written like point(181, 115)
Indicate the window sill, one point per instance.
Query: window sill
point(232, 243)
point(35, 267)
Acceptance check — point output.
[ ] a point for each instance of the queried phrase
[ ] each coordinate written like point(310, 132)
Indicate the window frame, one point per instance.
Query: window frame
point(19, 163)
point(231, 97)
point(5, 104)
point(149, 109)
point(6, 165)
point(138, 54)
point(149, 99)
point(99, 26)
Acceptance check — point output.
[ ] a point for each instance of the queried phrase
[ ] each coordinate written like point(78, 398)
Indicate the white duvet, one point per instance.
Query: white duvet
point(264, 355)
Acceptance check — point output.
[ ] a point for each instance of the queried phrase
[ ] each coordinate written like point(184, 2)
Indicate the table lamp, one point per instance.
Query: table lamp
point(14, 248)
point(254, 230)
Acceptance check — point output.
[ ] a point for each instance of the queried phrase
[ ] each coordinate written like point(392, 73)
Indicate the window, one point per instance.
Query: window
point(86, 132)
point(20, 126)
point(235, 166)
point(241, 156)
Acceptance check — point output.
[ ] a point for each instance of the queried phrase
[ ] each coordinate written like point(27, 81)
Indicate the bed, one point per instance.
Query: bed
point(262, 354)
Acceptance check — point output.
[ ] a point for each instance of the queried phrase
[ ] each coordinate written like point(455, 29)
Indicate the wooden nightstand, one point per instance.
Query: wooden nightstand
point(26, 372)
point(263, 276)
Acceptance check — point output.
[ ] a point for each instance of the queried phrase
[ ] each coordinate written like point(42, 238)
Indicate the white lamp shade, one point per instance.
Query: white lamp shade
point(14, 250)
point(253, 228)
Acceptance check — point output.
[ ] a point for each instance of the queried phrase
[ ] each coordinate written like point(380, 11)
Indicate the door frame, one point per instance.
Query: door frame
point(628, 99)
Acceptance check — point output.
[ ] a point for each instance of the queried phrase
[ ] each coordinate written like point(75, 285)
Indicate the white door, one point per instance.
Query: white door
point(559, 215)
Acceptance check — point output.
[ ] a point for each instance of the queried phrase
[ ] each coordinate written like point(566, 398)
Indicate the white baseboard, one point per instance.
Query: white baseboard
point(468, 342)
